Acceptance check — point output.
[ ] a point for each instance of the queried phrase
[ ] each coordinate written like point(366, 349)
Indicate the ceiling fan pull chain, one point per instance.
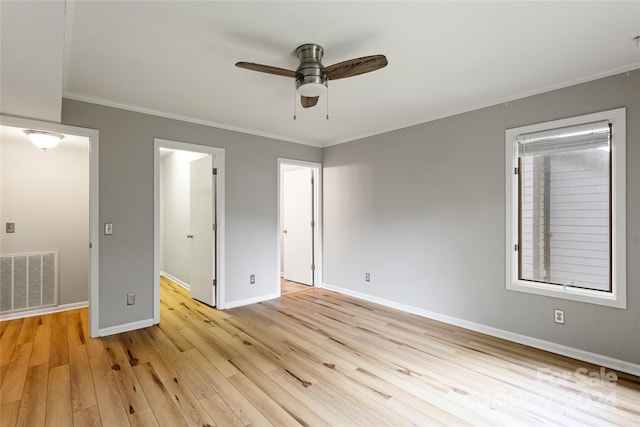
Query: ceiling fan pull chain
point(294, 102)
point(327, 102)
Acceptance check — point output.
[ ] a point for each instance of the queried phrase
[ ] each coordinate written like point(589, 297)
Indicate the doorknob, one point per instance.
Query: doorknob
point(284, 231)
point(189, 236)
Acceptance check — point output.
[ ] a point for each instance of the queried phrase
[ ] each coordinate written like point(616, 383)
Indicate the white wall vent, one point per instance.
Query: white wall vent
point(28, 281)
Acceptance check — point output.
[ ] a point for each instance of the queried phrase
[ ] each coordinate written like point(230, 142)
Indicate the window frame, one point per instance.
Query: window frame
point(617, 297)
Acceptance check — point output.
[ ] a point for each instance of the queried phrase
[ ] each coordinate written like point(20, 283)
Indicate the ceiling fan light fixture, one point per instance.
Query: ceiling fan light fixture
point(312, 89)
point(311, 81)
point(44, 140)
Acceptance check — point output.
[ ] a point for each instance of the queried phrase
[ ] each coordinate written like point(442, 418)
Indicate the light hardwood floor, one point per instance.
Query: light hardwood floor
point(289, 287)
point(313, 358)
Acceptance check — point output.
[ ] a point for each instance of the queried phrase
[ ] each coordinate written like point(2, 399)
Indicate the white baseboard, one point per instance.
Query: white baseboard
point(176, 280)
point(125, 327)
point(43, 311)
point(586, 356)
point(254, 300)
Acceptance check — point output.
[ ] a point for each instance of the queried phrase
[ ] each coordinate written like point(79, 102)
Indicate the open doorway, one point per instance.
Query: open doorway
point(189, 220)
point(299, 189)
point(49, 210)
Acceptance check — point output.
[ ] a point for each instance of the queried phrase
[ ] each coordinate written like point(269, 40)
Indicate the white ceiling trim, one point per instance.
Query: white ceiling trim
point(138, 109)
point(167, 115)
point(634, 66)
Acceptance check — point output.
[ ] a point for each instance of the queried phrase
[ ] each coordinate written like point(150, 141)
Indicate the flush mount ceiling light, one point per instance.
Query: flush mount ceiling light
point(44, 140)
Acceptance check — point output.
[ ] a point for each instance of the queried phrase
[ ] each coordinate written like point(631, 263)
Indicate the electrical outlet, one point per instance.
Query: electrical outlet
point(108, 228)
point(11, 227)
point(252, 279)
point(131, 298)
point(367, 277)
point(558, 316)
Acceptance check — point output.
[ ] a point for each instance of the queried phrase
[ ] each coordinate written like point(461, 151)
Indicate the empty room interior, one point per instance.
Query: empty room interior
point(319, 213)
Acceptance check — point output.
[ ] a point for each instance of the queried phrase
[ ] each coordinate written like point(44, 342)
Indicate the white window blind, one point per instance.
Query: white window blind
point(579, 137)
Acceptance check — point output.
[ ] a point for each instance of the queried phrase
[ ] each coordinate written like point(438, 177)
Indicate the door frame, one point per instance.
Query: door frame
point(93, 302)
point(317, 208)
point(159, 143)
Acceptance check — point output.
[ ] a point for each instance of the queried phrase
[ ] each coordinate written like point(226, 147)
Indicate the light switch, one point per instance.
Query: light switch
point(108, 228)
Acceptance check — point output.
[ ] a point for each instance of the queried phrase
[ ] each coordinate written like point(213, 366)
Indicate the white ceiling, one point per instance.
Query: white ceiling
point(176, 58)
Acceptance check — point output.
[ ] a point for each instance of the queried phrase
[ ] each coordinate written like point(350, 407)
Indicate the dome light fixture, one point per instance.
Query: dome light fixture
point(311, 88)
point(44, 140)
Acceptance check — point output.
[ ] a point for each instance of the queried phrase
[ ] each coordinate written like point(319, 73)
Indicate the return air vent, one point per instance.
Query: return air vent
point(28, 281)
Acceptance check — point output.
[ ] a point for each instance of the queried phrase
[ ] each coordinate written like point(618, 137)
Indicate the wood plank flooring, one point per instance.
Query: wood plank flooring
point(289, 287)
point(312, 358)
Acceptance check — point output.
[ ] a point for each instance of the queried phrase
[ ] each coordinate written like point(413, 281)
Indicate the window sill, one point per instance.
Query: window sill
point(609, 299)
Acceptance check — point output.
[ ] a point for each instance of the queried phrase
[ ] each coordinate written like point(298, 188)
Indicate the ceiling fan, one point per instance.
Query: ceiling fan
point(312, 77)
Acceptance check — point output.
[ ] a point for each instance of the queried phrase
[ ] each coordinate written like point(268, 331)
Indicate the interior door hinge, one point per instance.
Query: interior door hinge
point(214, 227)
point(516, 171)
point(516, 247)
point(313, 223)
point(215, 171)
point(214, 282)
point(313, 267)
point(90, 246)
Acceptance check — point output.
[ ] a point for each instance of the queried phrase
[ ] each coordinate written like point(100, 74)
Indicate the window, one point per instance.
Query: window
point(566, 208)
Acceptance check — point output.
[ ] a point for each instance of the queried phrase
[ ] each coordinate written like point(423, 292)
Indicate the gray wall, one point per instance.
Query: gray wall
point(126, 199)
point(423, 210)
point(47, 195)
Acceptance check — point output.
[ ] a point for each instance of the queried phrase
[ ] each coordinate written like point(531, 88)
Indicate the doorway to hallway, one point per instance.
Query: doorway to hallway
point(299, 222)
point(42, 223)
point(189, 220)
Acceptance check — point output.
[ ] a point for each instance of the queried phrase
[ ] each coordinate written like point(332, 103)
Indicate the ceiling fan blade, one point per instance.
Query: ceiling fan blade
point(309, 101)
point(354, 67)
point(266, 69)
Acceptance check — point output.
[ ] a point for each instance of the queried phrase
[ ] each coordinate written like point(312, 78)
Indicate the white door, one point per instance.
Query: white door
point(202, 217)
point(297, 226)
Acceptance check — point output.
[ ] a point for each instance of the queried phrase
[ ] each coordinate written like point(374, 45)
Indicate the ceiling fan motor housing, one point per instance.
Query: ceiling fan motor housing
point(311, 80)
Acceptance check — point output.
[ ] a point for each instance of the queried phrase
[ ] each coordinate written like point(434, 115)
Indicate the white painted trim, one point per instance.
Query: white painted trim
point(125, 327)
point(159, 113)
point(43, 311)
point(94, 199)
point(94, 224)
point(159, 143)
point(252, 300)
point(586, 356)
point(317, 196)
point(426, 119)
point(567, 83)
point(175, 280)
point(618, 297)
